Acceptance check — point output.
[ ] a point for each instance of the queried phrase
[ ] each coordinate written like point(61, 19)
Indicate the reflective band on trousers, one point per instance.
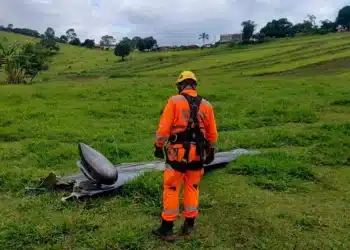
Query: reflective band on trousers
point(190, 208)
point(171, 211)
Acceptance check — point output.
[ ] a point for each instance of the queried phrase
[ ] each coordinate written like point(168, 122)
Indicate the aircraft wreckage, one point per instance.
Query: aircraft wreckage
point(99, 176)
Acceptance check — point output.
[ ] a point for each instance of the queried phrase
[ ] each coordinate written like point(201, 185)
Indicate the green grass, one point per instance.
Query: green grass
point(288, 98)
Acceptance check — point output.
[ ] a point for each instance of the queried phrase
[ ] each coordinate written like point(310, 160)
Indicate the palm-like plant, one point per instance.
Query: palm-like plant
point(204, 36)
point(9, 58)
point(20, 62)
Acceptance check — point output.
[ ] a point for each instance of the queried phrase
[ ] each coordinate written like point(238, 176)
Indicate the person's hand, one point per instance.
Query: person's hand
point(158, 152)
point(210, 156)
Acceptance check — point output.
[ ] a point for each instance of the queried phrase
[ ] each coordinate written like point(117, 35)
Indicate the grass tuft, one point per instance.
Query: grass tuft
point(146, 189)
point(329, 154)
point(274, 171)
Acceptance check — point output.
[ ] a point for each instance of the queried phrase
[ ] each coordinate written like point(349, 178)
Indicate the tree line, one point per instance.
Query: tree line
point(277, 28)
point(71, 37)
point(282, 27)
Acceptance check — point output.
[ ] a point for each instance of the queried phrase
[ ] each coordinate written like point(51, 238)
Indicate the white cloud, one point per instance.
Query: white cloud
point(170, 22)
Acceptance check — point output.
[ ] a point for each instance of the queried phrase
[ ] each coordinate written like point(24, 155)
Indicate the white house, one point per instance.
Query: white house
point(226, 38)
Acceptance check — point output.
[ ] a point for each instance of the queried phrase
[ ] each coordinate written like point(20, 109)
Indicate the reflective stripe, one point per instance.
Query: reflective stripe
point(162, 138)
point(179, 126)
point(213, 144)
point(202, 115)
point(177, 98)
point(190, 209)
point(171, 211)
point(205, 102)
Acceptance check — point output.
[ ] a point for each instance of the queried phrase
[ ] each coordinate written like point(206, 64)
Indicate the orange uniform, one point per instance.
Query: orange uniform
point(174, 120)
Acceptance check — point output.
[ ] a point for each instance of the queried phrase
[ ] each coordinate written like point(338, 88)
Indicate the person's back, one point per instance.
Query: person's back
point(175, 119)
point(188, 125)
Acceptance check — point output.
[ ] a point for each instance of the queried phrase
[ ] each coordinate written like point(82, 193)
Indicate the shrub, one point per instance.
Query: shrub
point(23, 61)
point(122, 49)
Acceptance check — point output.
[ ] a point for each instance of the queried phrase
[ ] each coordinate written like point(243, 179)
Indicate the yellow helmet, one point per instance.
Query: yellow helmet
point(186, 75)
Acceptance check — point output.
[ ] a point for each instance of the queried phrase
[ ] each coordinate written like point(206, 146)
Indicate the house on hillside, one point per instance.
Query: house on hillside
point(228, 38)
point(164, 48)
point(109, 47)
point(208, 45)
point(341, 29)
point(105, 47)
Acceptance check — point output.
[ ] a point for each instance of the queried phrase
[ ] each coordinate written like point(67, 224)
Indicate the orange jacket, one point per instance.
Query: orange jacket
point(175, 117)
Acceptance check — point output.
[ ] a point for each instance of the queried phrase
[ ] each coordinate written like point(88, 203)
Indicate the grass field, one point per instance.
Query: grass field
point(289, 98)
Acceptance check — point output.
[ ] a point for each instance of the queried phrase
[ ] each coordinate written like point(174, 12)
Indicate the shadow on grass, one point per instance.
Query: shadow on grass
point(342, 102)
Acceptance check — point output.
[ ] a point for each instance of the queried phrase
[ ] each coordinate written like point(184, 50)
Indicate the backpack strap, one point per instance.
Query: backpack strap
point(193, 131)
point(192, 134)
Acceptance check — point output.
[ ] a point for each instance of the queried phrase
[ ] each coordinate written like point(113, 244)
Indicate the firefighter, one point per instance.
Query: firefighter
point(186, 138)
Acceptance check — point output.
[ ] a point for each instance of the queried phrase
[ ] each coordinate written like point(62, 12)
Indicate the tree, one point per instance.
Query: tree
point(135, 41)
point(63, 39)
point(37, 58)
point(71, 35)
point(88, 43)
point(328, 26)
point(278, 28)
point(260, 37)
point(141, 46)
point(343, 17)
point(248, 30)
point(122, 49)
point(75, 41)
point(127, 40)
point(23, 31)
point(149, 42)
point(10, 26)
point(48, 40)
point(312, 19)
point(49, 33)
point(204, 36)
point(308, 26)
point(305, 27)
point(107, 40)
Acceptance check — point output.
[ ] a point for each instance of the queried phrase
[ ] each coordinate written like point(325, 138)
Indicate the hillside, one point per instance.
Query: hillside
point(289, 98)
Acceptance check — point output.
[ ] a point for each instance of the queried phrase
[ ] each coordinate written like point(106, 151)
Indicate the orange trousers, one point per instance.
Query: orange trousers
point(172, 181)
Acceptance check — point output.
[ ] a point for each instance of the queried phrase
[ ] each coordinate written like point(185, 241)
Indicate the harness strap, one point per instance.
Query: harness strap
point(193, 133)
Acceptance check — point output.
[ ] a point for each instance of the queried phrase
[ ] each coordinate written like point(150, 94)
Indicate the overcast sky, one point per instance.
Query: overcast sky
point(169, 21)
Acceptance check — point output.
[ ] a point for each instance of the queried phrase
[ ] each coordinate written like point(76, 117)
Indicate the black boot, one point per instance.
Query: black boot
point(187, 228)
point(165, 231)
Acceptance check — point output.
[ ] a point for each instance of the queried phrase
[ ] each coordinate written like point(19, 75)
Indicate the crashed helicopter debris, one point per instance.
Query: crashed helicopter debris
point(99, 176)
